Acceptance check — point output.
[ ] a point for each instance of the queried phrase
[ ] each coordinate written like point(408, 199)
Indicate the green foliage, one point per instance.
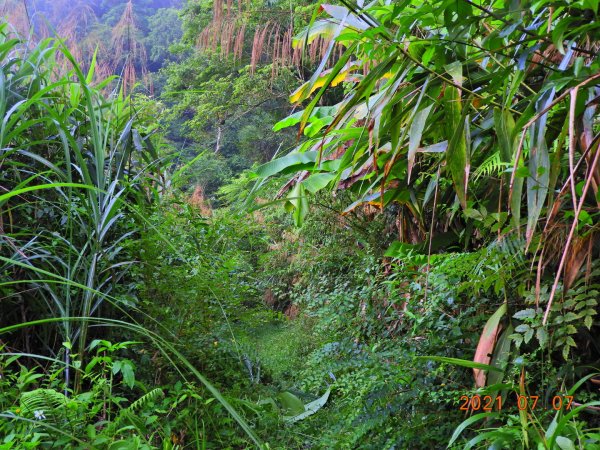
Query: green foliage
point(101, 417)
point(207, 170)
point(461, 235)
point(227, 109)
point(164, 30)
point(222, 103)
point(69, 220)
point(434, 92)
point(80, 171)
point(566, 320)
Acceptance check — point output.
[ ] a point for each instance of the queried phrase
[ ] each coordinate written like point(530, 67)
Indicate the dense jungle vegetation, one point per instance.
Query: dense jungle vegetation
point(298, 225)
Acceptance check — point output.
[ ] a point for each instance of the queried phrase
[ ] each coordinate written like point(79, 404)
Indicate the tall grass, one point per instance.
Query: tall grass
point(76, 174)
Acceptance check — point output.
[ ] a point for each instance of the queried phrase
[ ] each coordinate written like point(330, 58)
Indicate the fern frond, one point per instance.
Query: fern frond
point(493, 165)
point(56, 408)
point(145, 399)
point(127, 415)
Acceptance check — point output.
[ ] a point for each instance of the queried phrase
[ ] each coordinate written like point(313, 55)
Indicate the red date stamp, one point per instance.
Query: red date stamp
point(524, 402)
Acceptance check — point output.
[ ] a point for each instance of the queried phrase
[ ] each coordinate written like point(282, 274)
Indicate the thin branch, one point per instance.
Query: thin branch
point(571, 234)
point(533, 120)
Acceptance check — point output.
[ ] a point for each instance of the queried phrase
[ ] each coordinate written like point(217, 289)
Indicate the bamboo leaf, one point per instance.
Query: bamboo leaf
point(414, 135)
point(539, 166)
point(461, 362)
point(468, 422)
point(310, 408)
point(326, 28)
point(505, 131)
point(340, 13)
point(317, 181)
point(456, 154)
point(304, 91)
point(297, 204)
point(278, 165)
point(486, 344)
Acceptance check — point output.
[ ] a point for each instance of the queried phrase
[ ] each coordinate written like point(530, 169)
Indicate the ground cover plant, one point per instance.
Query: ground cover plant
point(275, 224)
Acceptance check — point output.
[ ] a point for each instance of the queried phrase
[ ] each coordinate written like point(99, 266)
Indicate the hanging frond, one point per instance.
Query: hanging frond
point(257, 46)
point(128, 50)
point(272, 41)
point(238, 47)
point(75, 31)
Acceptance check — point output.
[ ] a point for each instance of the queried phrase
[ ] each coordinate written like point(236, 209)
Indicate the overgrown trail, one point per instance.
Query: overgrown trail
point(294, 225)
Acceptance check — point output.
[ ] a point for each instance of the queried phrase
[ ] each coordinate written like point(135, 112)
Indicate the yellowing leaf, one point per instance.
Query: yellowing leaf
point(325, 28)
point(304, 91)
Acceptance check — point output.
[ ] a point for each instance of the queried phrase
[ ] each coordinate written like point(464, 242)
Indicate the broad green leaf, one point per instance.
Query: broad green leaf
point(539, 167)
point(341, 13)
point(440, 147)
point(563, 422)
point(528, 313)
point(468, 422)
point(297, 204)
point(329, 77)
point(497, 437)
point(505, 131)
point(128, 374)
point(310, 408)
point(278, 165)
point(515, 201)
point(455, 71)
point(317, 181)
point(558, 32)
point(542, 336)
point(400, 249)
point(565, 443)
point(474, 214)
point(365, 88)
point(316, 126)
point(293, 119)
point(318, 76)
point(291, 404)
point(129, 444)
point(326, 28)
point(500, 357)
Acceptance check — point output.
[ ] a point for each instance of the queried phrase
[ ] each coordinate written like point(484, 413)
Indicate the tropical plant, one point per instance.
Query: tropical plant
point(382, 141)
point(480, 123)
point(104, 160)
point(78, 173)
